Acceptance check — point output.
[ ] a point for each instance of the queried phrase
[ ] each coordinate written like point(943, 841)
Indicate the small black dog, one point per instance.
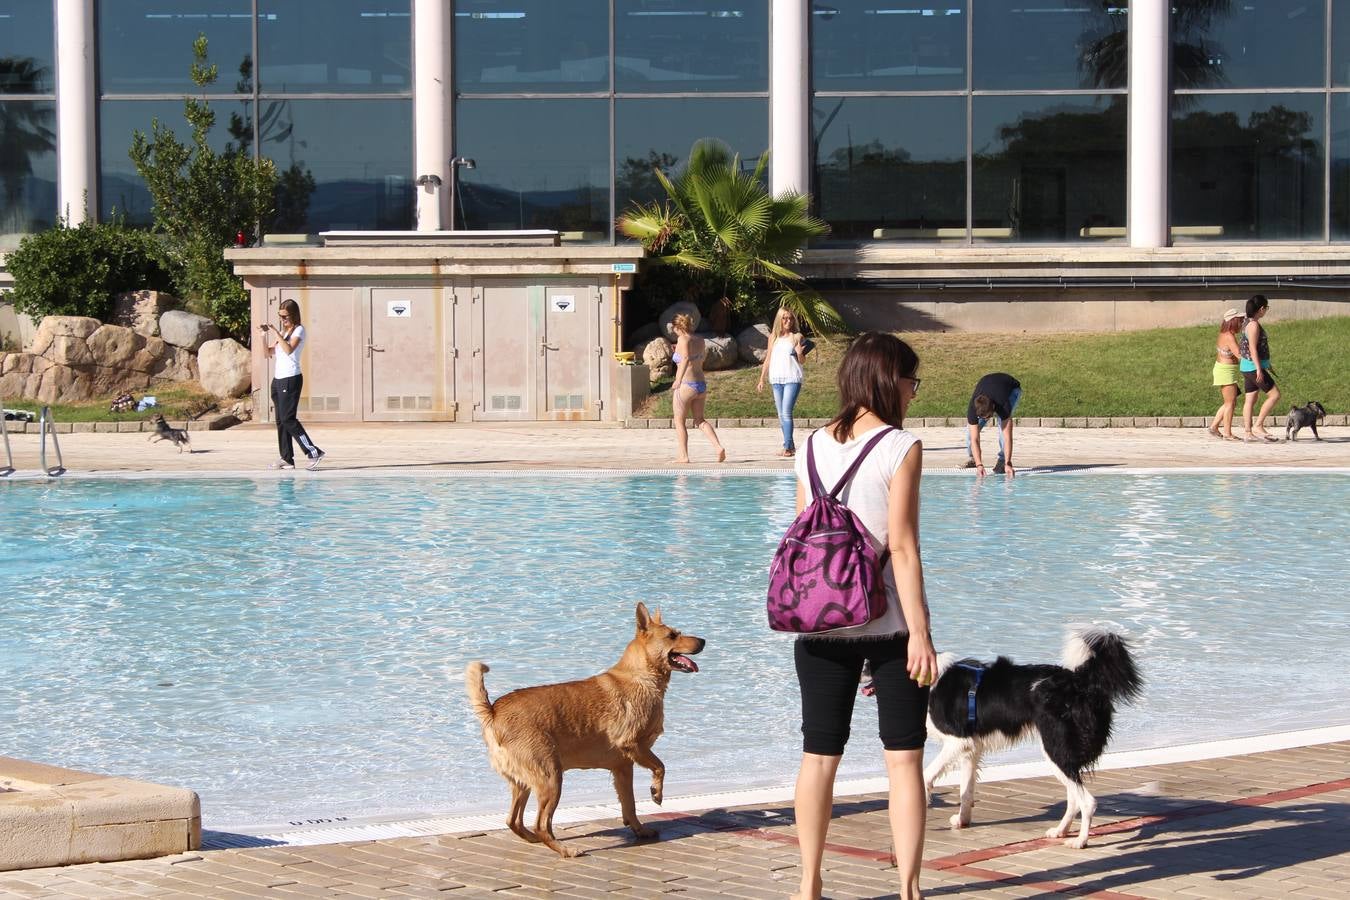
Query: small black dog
point(163, 432)
point(1301, 416)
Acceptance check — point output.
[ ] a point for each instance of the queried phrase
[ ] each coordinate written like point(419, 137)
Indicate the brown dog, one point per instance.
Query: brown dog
point(609, 721)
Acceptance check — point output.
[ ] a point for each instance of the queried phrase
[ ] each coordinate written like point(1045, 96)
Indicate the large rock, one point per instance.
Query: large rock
point(643, 336)
point(140, 311)
point(656, 356)
point(54, 328)
point(225, 367)
point(753, 343)
point(187, 330)
point(670, 312)
point(721, 352)
point(175, 365)
point(115, 347)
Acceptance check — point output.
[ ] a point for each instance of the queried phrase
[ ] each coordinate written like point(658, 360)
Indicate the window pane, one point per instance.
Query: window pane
point(1046, 46)
point(27, 48)
point(902, 46)
point(27, 166)
point(519, 46)
point(1340, 167)
point(703, 45)
point(1048, 168)
point(1340, 42)
point(1248, 167)
point(540, 164)
point(145, 46)
point(660, 132)
point(1253, 44)
point(339, 46)
point(890, 167)
point(120, 188)
point(359, 154)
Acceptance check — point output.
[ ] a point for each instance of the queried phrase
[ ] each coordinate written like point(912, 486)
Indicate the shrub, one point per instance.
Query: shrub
point(79, 271)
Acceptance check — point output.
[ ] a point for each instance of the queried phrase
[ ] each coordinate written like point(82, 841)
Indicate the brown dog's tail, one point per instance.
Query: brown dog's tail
point(478, 696)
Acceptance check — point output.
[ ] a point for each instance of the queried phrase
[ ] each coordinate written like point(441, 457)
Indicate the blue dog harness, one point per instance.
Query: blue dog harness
point(970, 695)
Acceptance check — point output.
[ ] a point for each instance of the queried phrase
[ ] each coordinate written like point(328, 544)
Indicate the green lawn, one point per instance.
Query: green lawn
point(174, 401)
point(1164, 372)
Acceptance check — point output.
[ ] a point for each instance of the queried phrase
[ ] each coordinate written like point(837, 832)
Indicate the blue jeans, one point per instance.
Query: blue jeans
point(1012, 407)
point(785, 397)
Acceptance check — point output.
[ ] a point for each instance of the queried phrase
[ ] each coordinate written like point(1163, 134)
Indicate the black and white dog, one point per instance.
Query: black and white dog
point(1301, 417)
point(165, 432)
point(976, 708)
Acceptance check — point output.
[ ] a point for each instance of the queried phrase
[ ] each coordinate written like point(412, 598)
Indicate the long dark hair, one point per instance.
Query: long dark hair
point(870, 378)
point(291, 309)
point(1256, 303)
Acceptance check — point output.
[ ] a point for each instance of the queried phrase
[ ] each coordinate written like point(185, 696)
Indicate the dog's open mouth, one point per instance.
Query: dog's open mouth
point(681, 662)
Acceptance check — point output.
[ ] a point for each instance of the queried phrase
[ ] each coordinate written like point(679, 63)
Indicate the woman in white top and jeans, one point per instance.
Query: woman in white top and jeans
point(286, 383)
point(877, 381)
point(783, 366)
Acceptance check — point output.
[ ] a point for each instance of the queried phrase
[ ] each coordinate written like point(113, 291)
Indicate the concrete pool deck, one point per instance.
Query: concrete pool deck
point(414, 448)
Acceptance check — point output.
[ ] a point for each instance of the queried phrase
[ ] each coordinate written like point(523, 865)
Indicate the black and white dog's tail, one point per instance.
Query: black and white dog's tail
point(1102, 665)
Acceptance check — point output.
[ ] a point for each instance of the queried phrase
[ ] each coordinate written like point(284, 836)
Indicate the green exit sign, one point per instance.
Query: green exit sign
point(623, 267)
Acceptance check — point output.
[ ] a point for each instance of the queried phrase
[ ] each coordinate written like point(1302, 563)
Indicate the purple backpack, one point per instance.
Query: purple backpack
point(825, 574)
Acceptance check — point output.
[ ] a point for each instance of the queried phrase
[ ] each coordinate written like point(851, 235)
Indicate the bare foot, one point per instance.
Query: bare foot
point(683, 460)
point(721, 456)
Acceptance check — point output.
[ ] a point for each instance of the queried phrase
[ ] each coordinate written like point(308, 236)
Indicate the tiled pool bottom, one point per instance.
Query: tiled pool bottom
point(293, 649)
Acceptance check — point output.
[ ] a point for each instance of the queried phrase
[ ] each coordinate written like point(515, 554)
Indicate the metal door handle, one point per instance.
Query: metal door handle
point(545, 345)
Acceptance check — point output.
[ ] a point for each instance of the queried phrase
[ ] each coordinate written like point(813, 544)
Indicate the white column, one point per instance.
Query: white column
point(432, 121)
point(76, 142)
point(789, 97)
point(1148, 128)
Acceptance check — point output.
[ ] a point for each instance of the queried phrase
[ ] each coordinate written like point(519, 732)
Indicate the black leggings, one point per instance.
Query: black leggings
point(828, 671)
point(285, 401)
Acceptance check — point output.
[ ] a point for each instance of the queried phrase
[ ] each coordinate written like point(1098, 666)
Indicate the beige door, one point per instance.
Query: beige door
point(505, 348)
point(408, 348)
point(332, 381)
point(569, 353)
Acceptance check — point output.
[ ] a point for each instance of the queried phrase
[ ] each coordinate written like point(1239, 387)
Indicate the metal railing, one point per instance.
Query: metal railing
point(8, 467)
point(48, 427)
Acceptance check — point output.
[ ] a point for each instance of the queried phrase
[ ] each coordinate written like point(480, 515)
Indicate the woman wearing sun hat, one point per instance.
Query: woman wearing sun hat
point(1227, 374)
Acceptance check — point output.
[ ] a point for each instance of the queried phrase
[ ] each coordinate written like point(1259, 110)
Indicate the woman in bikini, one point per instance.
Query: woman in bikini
point(690, 389)
point(1227, 376)
point(1257, 375)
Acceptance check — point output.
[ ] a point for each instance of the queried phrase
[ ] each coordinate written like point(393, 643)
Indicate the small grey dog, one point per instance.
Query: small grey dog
point(1301, 416)
point(163, 432)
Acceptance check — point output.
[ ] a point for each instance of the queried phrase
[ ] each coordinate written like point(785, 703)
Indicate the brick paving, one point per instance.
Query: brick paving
point(1273, 824)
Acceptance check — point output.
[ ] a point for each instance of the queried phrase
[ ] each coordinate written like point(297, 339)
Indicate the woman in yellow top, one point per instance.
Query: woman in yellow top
point(1227, 375)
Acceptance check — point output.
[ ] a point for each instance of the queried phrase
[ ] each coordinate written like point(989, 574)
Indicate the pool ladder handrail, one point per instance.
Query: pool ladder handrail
point(8, 468)
point(47, 426)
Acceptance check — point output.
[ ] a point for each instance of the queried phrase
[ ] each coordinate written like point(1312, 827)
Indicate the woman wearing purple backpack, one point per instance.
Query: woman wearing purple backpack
point(877, 381)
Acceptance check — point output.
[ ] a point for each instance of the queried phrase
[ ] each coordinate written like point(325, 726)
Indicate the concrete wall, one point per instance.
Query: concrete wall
point(1018, 310)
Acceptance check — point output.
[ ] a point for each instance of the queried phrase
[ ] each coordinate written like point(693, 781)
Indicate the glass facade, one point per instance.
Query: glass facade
point(27, 119)
point(958, 122)
point(990, 121)
point(329, 99)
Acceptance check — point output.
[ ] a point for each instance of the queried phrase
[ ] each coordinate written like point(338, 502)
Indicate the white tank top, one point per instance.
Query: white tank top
point(784, 367)
point(287, 364)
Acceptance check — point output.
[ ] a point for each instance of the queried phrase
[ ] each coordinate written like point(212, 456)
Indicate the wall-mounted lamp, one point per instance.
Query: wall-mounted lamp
point(455, 164)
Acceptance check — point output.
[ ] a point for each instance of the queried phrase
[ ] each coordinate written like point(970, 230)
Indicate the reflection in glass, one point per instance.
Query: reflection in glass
point(359, 154)
point(1047, 46)
point(1340, 167)
point(121, 189)
point(515, 46)
point(27, 50)
point(1340, 43)
point(703, 45)
point(1256, 43)
point(1048, 168)
point(890, 167)
point(541, 164)
point(27, 166)
point(659, 132)
point(1248, 167)
point(145, 46)
point(901, 46)
point(338, 46)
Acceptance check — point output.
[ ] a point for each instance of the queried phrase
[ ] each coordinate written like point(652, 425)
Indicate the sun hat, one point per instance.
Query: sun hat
point(1232, 314)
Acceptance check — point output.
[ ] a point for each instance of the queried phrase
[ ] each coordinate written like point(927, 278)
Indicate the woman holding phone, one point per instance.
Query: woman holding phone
point(286, 384)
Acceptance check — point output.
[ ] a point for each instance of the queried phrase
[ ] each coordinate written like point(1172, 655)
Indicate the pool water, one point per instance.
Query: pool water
point(294, 649)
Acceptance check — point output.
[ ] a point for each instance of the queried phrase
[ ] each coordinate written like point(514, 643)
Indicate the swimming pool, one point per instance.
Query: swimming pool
point(294, 648)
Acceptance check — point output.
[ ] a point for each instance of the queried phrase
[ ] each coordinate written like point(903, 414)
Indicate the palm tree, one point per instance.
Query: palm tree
point(24, 133)
point(721, 221)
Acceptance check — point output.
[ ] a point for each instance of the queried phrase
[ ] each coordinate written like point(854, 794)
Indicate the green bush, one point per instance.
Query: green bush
point(79, 271)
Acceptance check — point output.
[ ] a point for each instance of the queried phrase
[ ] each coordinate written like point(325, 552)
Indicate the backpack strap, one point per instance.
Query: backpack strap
point(817, 486)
